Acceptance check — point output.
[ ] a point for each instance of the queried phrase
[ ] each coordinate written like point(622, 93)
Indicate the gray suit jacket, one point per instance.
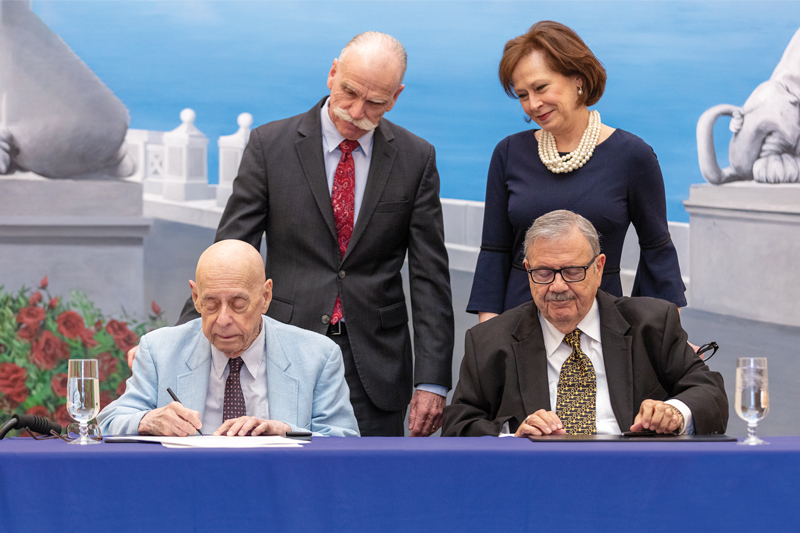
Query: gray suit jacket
point(504, 371)
point(281, 189)
point(305, 379)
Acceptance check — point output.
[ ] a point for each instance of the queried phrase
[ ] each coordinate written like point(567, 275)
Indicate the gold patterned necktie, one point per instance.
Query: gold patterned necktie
point(577, 390)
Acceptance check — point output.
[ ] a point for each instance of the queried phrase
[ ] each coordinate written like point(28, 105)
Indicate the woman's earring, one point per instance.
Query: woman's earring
point(580, 91)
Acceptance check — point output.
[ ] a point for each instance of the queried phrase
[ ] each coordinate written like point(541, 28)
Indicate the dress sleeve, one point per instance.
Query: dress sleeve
point(658, 274)
point(494, 260)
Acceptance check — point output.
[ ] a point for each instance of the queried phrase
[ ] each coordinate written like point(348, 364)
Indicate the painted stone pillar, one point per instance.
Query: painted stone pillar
point(745, 250)
point(185, 162)
point(84, 235)
point(231, 148)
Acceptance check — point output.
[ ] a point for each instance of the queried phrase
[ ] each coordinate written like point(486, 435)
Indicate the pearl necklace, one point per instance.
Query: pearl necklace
point(557, 164)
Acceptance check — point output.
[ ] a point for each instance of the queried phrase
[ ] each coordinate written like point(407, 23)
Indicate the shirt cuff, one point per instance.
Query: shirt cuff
point(688, 423)
point(441, 390)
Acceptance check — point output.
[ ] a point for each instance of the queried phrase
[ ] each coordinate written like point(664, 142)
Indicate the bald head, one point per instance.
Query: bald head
point(378, 47)
point(231, 293)
point(231, 257)
point(365, 82)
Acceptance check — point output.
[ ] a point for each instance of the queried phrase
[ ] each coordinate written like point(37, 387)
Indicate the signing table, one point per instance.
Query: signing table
point(402, 484)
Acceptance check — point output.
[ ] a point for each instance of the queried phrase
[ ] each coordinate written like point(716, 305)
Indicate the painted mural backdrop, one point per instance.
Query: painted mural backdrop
point(667, 63)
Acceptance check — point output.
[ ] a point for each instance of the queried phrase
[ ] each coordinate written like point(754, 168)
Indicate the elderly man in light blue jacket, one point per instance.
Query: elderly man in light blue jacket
point(285, 379)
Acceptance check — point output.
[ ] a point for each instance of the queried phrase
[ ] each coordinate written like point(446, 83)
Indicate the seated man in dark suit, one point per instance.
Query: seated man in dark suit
point(579, 361)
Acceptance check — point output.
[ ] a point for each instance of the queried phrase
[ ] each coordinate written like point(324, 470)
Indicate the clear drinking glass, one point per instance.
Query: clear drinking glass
point(752, 394)
point(83, 395)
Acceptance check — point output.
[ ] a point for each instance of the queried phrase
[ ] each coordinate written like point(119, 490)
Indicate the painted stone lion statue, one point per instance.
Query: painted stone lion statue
point(766, 131)
point(57, 119)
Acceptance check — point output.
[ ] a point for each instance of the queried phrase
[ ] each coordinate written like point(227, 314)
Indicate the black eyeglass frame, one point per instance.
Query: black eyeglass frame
point(560, 271)
point(710, 346)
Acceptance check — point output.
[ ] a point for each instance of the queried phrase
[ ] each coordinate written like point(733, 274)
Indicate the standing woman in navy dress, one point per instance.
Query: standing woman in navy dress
point(574, 162)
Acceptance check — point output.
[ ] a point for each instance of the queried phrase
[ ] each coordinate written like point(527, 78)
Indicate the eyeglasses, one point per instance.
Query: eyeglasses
point(707, 347)
point(573, 274)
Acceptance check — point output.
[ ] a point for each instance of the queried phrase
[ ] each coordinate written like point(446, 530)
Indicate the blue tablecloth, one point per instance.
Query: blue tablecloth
point(397, 484)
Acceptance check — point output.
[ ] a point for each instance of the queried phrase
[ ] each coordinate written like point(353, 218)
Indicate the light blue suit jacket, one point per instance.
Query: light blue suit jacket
point(305, 379)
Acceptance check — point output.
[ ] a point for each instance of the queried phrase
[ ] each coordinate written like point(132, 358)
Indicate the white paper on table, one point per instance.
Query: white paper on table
point(211, 441)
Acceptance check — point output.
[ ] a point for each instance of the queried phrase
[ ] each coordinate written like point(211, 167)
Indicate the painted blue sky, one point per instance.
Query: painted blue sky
point(667, 62)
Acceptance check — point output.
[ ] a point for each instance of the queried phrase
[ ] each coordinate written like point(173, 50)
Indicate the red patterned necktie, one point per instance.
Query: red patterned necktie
point(343, 200)
point(233, 403)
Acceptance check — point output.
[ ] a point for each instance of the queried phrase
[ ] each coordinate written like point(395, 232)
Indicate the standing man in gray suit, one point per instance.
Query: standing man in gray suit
point(340, 217)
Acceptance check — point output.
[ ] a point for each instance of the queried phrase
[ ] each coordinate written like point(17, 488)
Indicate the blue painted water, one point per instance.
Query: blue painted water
point(667, 62)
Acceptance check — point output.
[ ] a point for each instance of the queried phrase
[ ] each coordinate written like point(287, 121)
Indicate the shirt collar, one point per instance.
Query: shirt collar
point(590, 326)
point(331, 138)
point(252, 356)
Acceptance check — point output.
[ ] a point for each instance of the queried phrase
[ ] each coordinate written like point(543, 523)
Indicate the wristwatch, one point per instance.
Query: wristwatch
point(682, 426)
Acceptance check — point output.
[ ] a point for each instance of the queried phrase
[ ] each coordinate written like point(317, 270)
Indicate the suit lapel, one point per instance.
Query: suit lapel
point(192, 385)
point(283, 389)
point(309, 152)
point(617, 359)
point(531, 359)
point(383, 155)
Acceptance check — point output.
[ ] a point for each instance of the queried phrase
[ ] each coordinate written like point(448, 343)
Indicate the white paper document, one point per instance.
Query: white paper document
point(210, 441)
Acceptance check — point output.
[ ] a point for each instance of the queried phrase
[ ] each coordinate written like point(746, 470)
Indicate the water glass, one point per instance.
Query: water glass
point(752, 395)
point(83, 395)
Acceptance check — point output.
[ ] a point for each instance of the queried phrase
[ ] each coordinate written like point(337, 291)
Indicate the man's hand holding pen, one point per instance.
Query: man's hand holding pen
point(171, 420)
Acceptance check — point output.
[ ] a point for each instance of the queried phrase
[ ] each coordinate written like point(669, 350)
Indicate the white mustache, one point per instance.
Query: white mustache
point(559, 296)
point(362, 123)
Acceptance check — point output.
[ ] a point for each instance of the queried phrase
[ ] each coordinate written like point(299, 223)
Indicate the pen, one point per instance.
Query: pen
point(177, 400)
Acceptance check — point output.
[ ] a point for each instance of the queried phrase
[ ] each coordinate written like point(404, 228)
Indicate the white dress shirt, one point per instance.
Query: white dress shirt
point(591, 344)
point(331, 139)
point(558, 351)
point(362, 156)
point(253, 377)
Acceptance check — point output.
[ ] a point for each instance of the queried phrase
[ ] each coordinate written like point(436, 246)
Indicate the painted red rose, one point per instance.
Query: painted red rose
point(27, 333)
point(12, 382)
point(87, 337)
point(39, 410)
point(107, 364)
point(35, 298)
point(121, 388)
point(105, 398)
point(62, 416)
point(70, 324)
point(43, 283)
point(59, 384)
point(124, 338)
point(127, 341)
point(156, 308)
point(98, 325)
point(53, 302)
point(30, 315)
point(46, 352)
point(115, 327)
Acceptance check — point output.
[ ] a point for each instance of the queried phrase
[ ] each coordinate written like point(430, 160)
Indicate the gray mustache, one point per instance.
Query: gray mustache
point(362, 123)
point(559, 296)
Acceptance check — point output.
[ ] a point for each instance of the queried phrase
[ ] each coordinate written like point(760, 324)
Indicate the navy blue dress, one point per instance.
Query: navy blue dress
point(621, 183)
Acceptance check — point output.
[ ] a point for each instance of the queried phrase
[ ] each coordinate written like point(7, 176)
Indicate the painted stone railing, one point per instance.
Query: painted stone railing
point(173, 169)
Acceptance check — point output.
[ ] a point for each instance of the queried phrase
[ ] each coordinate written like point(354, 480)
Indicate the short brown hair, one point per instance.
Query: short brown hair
point(564, 52)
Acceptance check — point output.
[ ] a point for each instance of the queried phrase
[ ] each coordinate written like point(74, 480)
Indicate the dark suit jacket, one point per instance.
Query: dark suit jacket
point(504, 372)
point(281, 189)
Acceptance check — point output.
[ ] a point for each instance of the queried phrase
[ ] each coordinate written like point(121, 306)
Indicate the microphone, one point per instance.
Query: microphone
point(36, 423)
